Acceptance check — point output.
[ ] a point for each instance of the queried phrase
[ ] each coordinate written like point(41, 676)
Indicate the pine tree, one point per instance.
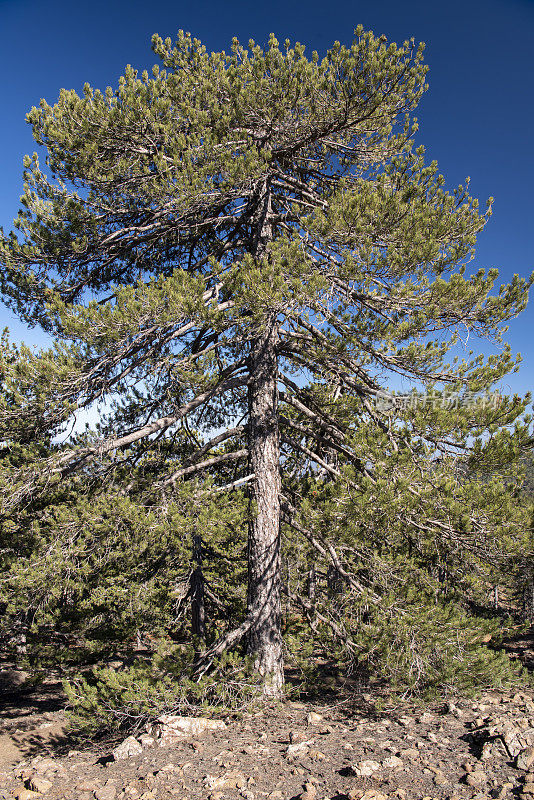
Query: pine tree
point(249, 247)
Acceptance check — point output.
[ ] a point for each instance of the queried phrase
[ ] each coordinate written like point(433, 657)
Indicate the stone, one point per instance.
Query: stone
point(230, 780)
point(146, 741)
point(393, 762)
point(373, 794)
point(410, 752)
point(525, 758)
point(46, 765)
point(313, 718)
point(426, 717)
point(39, 784)
point(107, 792)
point(366, 768)
point(87, 786)
point(298, 749)
point(169, 727)
point(310, 791)
point(26, 794)
point(476, 778)
point(127, 749)
point(296, 736)
point(528, 788)
point(11, 679)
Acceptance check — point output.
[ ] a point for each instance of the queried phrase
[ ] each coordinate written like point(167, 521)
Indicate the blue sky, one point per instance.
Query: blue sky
point(476, 119)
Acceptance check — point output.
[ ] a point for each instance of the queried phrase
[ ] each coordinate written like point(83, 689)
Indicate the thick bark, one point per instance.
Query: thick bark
point(264, 642)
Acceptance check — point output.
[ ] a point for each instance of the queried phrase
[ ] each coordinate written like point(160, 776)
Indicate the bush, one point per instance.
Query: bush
point(126, 699)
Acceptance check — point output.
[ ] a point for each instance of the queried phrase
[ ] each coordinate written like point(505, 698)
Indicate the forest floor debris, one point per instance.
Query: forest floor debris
point(293, 750)
point(456, 750)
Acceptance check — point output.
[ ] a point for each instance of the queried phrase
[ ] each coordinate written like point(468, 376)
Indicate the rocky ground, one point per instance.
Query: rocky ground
point(459, 749)
point(462, 750)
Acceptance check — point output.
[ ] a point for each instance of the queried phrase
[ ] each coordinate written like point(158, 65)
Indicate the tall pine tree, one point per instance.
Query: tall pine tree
point(249, 247)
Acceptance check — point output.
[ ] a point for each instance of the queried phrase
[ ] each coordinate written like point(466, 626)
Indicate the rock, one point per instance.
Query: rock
point(393, 762)
point(298, 749)
point(26, 794)
point(11, 679)
point(476, 778)
point(39, 784)
point(230, 780)
point(127, 749)
point(146, 741)
point(107, 792)
point(87, 786)
point(364, 769)
point(276, 795)
point(296, 736)
point(310, 792)
point(487, 751)
point(46, 765)
point(410, 752)
point(525, 758)
point(169, 728)
point(313, 718)
point(373, 794)
point(426, 718)
point(528, 788)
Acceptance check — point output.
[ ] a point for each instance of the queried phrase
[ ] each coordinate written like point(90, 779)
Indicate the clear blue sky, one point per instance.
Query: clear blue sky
point(477, 118)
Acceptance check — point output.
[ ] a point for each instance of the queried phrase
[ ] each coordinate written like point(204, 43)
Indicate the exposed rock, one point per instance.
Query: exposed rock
point(299, 748)
point(87, 786)
point(313, 718)
point(364, 769)
point(310, 791)
point(476, 778)
point(169, 728)
point(39, 784)
point(146, 741)
point(26, 794)
point(11, 679)
point(426, 717)
point(107, 792)
point(525, 758)
point(46, 765)
point(127, 749)
point(230, 780)
point(393, 762)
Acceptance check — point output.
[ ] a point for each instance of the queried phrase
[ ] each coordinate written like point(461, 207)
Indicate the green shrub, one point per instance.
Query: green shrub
point(126, 699)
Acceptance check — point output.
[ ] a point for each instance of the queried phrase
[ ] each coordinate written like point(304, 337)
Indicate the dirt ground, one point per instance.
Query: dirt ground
point(327, 751)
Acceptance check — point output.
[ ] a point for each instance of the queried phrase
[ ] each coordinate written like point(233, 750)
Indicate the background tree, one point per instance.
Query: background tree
point(248, 248)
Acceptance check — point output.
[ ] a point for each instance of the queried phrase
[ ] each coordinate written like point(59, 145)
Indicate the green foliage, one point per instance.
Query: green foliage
point(127, 698)
point(180, 218)
point(432, 650)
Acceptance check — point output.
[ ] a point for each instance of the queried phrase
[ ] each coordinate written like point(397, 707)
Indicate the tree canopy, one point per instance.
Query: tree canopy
point(242, 253)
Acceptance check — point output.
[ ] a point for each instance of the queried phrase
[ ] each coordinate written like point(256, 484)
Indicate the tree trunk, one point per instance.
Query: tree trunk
point(265, 637)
